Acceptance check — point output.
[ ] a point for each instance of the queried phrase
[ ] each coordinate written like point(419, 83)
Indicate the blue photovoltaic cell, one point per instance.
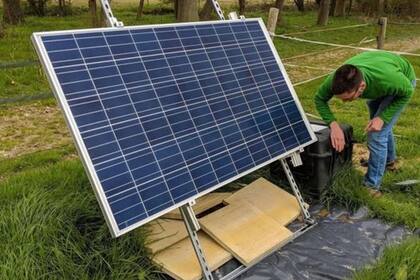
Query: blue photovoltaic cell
point(167, 113)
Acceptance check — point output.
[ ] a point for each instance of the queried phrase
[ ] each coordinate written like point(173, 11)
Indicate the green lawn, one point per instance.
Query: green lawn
point(51, 226)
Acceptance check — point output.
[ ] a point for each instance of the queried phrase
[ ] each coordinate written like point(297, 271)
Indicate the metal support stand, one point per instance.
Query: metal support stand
point(305, 213)
point(218, 9)
point(111, 21)
point(193, 227)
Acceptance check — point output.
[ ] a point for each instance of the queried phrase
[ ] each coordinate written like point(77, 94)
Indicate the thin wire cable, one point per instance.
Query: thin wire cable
point(363, 41)
point(343, 46)
point(328, 29)
point(311, 79)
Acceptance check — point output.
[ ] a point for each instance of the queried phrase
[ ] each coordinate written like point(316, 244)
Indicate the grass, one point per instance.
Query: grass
point(43, 158)
point(49, 216)
point(400, 262)
point(54, 229)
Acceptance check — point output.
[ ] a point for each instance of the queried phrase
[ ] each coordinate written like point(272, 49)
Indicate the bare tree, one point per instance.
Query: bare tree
point(187, 10)
point(241, 7)
point(62, 10)
point(1, 30)
point(332, 7)
point(93, 11)
point(323, 12)
point(340, 8)
point(380, 7)
point(176, 5)
point(12, 13)
point(38, 7)
point(300, 4)
point(349, 7)
point(280, 5)
point(205, 13)
point(140, 9)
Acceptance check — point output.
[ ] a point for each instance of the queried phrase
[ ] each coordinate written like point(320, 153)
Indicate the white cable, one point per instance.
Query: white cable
point(311, 79)
point(328, 29)
point(342, 46)
point(309, 67)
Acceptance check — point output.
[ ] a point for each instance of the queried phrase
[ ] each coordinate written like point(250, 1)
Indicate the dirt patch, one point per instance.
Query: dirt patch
point(31, 127)
point(360, 151)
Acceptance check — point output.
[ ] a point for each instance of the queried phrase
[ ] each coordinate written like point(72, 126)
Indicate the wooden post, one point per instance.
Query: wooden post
point(380, 39)
point(324, 8)
point(272, 21)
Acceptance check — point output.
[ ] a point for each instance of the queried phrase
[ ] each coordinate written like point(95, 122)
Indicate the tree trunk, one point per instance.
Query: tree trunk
point(1, 30)
point(12, 13)
point(340, 8)
point(176, 9)
point(349, 7)
point(62, 7)
point(380, 7)
point(140, 9)
point(187, 11)
point(205, 13)
point(41, 7)
point(241, 7)
point(333, 3)
point(323, 12)
point(93, 13)
point(300, 4)
point(280, 5)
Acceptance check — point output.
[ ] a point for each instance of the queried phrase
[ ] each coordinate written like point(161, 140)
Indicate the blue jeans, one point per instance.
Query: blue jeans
point(381, 144)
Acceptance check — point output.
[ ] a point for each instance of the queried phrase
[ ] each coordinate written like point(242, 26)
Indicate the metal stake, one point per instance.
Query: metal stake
point(193, 227)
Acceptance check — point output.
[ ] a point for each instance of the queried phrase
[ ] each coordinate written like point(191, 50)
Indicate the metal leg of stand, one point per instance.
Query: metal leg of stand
point(218, 9)
point(193, 227)
point(293, 184)
point(110, 19)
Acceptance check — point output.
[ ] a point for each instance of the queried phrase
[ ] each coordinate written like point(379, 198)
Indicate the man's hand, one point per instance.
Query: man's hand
point(374, 124)
point(337, 137)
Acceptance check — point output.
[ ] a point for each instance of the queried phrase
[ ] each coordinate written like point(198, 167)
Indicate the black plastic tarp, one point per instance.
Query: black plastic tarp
point(338, 245)
point(335, 248)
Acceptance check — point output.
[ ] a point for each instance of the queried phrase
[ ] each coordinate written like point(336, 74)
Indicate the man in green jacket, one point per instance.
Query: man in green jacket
point(387, 80)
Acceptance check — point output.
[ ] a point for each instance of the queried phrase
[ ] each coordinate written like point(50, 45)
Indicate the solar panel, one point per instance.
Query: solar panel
point(165, 114)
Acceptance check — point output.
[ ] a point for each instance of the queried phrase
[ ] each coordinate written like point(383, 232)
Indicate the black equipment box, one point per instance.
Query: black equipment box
point(320, 161)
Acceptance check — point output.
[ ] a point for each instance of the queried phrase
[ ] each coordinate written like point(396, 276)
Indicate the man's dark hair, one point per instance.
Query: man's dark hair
point(346, 78)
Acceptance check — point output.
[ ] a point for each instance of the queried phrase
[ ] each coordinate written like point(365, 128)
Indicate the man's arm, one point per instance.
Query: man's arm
point(322, 97)
point(324, 109)
point(321, 103)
